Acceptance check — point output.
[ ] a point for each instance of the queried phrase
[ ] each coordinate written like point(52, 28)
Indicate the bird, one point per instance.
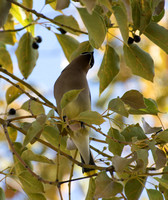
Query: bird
point(73, 77)
point(4, 11)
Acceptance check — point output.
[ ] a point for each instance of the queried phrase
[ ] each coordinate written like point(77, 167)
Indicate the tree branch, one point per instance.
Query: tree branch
point(47, 102)
point(45, 17)
point(2, 121)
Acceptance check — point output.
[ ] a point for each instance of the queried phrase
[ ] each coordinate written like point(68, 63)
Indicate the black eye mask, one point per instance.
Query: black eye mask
point(92, 58)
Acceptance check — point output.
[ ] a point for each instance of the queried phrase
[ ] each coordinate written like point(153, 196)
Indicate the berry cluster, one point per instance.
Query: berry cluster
point(37, 40)
point(135, 39)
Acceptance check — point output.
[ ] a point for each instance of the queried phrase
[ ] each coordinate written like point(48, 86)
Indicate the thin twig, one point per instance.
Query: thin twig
point(112, 138)
point(123, 196)
point(161, 122)
point(100, 152)
point(59, 190)
point(58, 158)
point(77, 179)
point(20, 117)
point(71, 174)
point(98, 140)
point(16, 30)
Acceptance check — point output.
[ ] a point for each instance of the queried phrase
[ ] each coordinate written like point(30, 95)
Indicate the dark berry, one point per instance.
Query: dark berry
point(12, 111)
point(62, 30)
point(137, 38)
point(38, 39)
point(130, 40)
point(35, 45)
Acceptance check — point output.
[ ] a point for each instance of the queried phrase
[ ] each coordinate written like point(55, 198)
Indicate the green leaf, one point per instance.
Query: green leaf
point(161, 188)
point(154, 194)
point(142, 158)
point(26, 55)
point(13, 93)
point(18, 167)
point(30, 183)
point(134, 99)
point(139, 61)
point(113, 146)
point(159, 155)
point(12, 133)
point(162, 181)
point(29, 155)
point(32, 132)
point(141, 14)
point(95, 26)
point(68, 44)
point(151, 108)
point(106, 187)
point(118, 106)
point(51, 134)
point(112, 198)
point(69, 97)
point(8, 37)
point(90, 4)
point(62, 4)
point(120, 163)
point(91, 189)
point(160, 159)
point(157, 34)
point(109, 68)
point(36, 196)
point(49, 1)
point(29, 15)
point(90, 117)
point(157, 18)
point(68, 21)
point(106, 3)
point(134, 187)
point(2, 194)
point(5, 60)
point(33, 107)
point(4, 11)
point(162, 137)
point(158, 10)
point(133, 131)
point(19, 14)
point(120, 14)
point(148, 129)
point(28, 3)
point(83, 47)
point(50, 113)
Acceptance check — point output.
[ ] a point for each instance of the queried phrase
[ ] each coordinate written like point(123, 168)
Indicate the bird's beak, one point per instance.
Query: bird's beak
point(92, 59)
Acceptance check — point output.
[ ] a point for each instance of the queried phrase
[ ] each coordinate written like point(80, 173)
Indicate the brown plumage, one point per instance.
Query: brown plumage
point(74, 77)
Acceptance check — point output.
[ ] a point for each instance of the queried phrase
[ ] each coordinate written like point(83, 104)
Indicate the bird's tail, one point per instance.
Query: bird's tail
point(88, 171)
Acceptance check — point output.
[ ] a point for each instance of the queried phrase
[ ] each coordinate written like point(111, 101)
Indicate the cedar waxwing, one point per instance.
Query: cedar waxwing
point(4, 11)
point(73, 77)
